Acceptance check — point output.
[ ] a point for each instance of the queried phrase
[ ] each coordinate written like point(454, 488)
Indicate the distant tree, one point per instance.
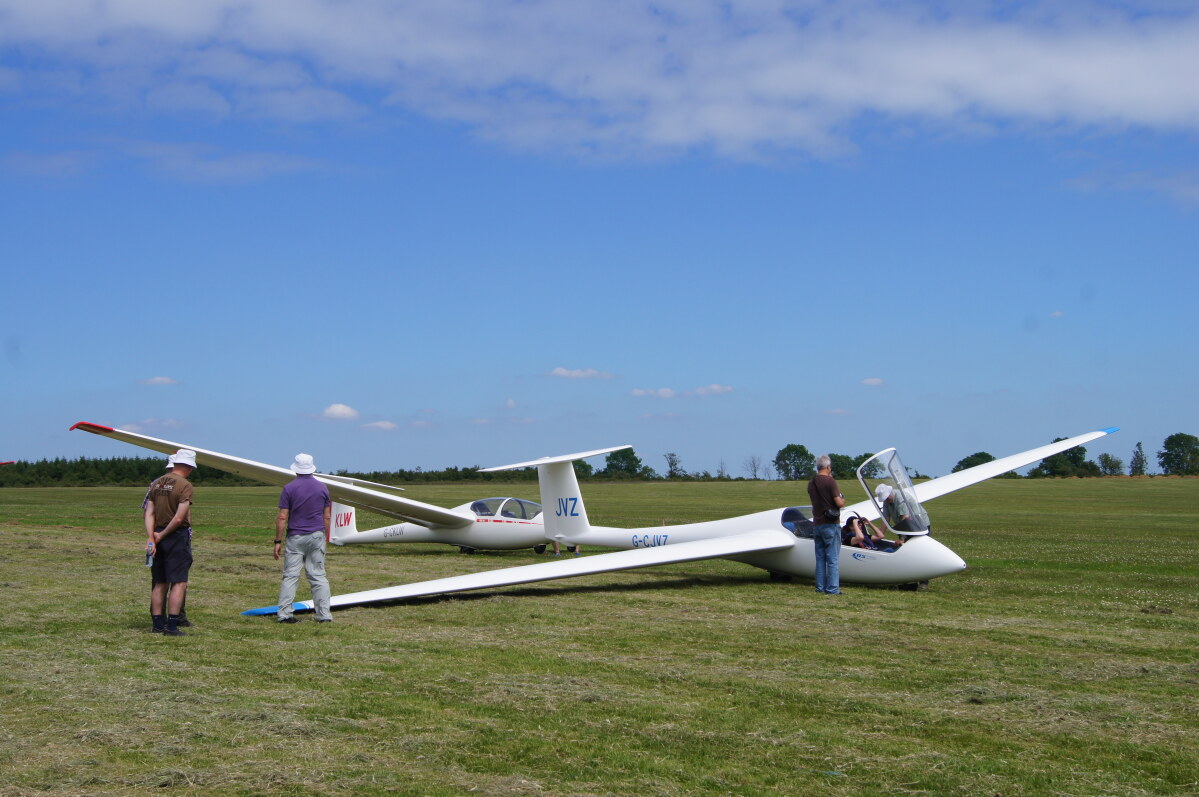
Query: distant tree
point(673, 470)
point(768, 472)
point(1071, 463)
point(1179, 455)
point(844, 466)
point(873, 471)
point(795, 461)
point(978, 458)
point(721, 471)
point(1136, 467)
point(583, 469)
point(1109, 465)
point(622, 464)
point(753, 464)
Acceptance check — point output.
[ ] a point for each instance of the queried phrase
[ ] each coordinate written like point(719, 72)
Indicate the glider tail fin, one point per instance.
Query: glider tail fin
point(563, 512)
point(344, 523)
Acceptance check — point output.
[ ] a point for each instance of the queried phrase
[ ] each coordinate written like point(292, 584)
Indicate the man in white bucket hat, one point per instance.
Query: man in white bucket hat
point(305, 511)
point(167, 516)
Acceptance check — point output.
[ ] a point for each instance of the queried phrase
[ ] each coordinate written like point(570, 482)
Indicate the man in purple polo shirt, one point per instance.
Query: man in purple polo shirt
point(304, 514)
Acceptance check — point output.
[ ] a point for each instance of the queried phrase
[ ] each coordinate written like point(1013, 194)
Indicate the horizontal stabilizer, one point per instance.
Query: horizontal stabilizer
point(551, 460)
point(750, 542)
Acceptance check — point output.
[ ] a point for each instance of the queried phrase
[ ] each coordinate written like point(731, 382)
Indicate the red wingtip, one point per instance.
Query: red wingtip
point(10, 462)
point(91, 427)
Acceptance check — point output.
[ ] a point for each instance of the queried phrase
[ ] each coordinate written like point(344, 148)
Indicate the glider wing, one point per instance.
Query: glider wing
point(936, 488)
point(350, 492)
point(750, 542)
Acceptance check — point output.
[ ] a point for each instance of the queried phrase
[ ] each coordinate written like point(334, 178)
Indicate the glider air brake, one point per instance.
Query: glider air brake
point(777, 540)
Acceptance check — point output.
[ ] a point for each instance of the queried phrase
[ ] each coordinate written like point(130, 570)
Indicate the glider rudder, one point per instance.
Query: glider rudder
point(562, 508)
point(343, 524)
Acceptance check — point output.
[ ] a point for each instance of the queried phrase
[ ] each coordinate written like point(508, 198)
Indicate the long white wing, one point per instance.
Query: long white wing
point(750, 542)
point(347, 493)
point(935, 488)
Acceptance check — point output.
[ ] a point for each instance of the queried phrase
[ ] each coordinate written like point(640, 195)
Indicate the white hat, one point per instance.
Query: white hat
point(170, 461)
point(882, 492)
point(184, 456)
point(303, 464)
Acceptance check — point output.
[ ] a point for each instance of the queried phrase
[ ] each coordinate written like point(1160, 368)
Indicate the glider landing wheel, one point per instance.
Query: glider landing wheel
point(538, 549)
point(782, 578)
point(465, 549)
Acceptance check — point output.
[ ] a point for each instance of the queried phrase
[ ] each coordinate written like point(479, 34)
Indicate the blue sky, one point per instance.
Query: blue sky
point(427, 234)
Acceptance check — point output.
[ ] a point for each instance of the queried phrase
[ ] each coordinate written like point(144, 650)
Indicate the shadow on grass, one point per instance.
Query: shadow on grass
point(574, 589)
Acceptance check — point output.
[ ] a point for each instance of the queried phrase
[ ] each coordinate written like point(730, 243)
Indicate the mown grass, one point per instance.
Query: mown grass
point(1062, 662)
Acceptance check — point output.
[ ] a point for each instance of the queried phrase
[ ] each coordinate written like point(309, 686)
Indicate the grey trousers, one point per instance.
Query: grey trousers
point(307, 551)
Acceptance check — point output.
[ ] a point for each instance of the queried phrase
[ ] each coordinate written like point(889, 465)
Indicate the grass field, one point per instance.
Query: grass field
point(1064, 661)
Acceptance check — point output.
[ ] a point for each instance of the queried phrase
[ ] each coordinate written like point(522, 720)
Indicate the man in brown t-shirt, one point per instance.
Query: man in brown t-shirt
point(826, 519)
point(167, 518)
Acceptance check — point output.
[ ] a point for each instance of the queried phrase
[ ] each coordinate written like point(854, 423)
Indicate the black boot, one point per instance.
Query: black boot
point(172, 628)
point(160, 623)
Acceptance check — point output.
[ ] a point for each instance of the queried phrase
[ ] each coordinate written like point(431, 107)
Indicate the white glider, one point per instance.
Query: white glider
point(489, 523)
point(772, 540)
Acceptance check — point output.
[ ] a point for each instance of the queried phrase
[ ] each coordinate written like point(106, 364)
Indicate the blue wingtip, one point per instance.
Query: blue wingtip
point(1110, 429)
point(298, 606)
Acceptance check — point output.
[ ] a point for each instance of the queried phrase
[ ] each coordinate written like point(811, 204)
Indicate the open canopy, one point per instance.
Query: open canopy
point(893, 495)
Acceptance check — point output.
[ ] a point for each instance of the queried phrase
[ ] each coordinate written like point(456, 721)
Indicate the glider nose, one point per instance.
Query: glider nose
point(944, 560)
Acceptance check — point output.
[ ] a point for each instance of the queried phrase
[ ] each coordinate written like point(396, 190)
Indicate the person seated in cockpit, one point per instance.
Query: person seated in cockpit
point(861, 533)
point(854, 534)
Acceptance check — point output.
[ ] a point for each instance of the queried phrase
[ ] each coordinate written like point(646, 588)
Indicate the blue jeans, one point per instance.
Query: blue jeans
point(827, 537)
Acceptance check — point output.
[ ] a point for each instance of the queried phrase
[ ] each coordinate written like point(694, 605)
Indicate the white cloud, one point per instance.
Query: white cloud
point(158, 380)
point(200, 163)
point(580, 373)
point(1056, 314)
point(384, 426)
point(624, 76)
point(340, 412)
point(187, 97)
point(662, 392)
point(510, 404)
point(872, 381)
point(1180, 185)
point(67, 163)
point(421, 425)
point(712, 390)
point(152, 424)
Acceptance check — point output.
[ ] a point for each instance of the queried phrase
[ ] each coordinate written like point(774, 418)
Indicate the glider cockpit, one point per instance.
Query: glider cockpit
point(514, 508)
point(798, 521)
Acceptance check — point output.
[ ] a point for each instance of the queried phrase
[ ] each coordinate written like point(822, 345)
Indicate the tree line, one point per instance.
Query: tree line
point(1179, 456)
